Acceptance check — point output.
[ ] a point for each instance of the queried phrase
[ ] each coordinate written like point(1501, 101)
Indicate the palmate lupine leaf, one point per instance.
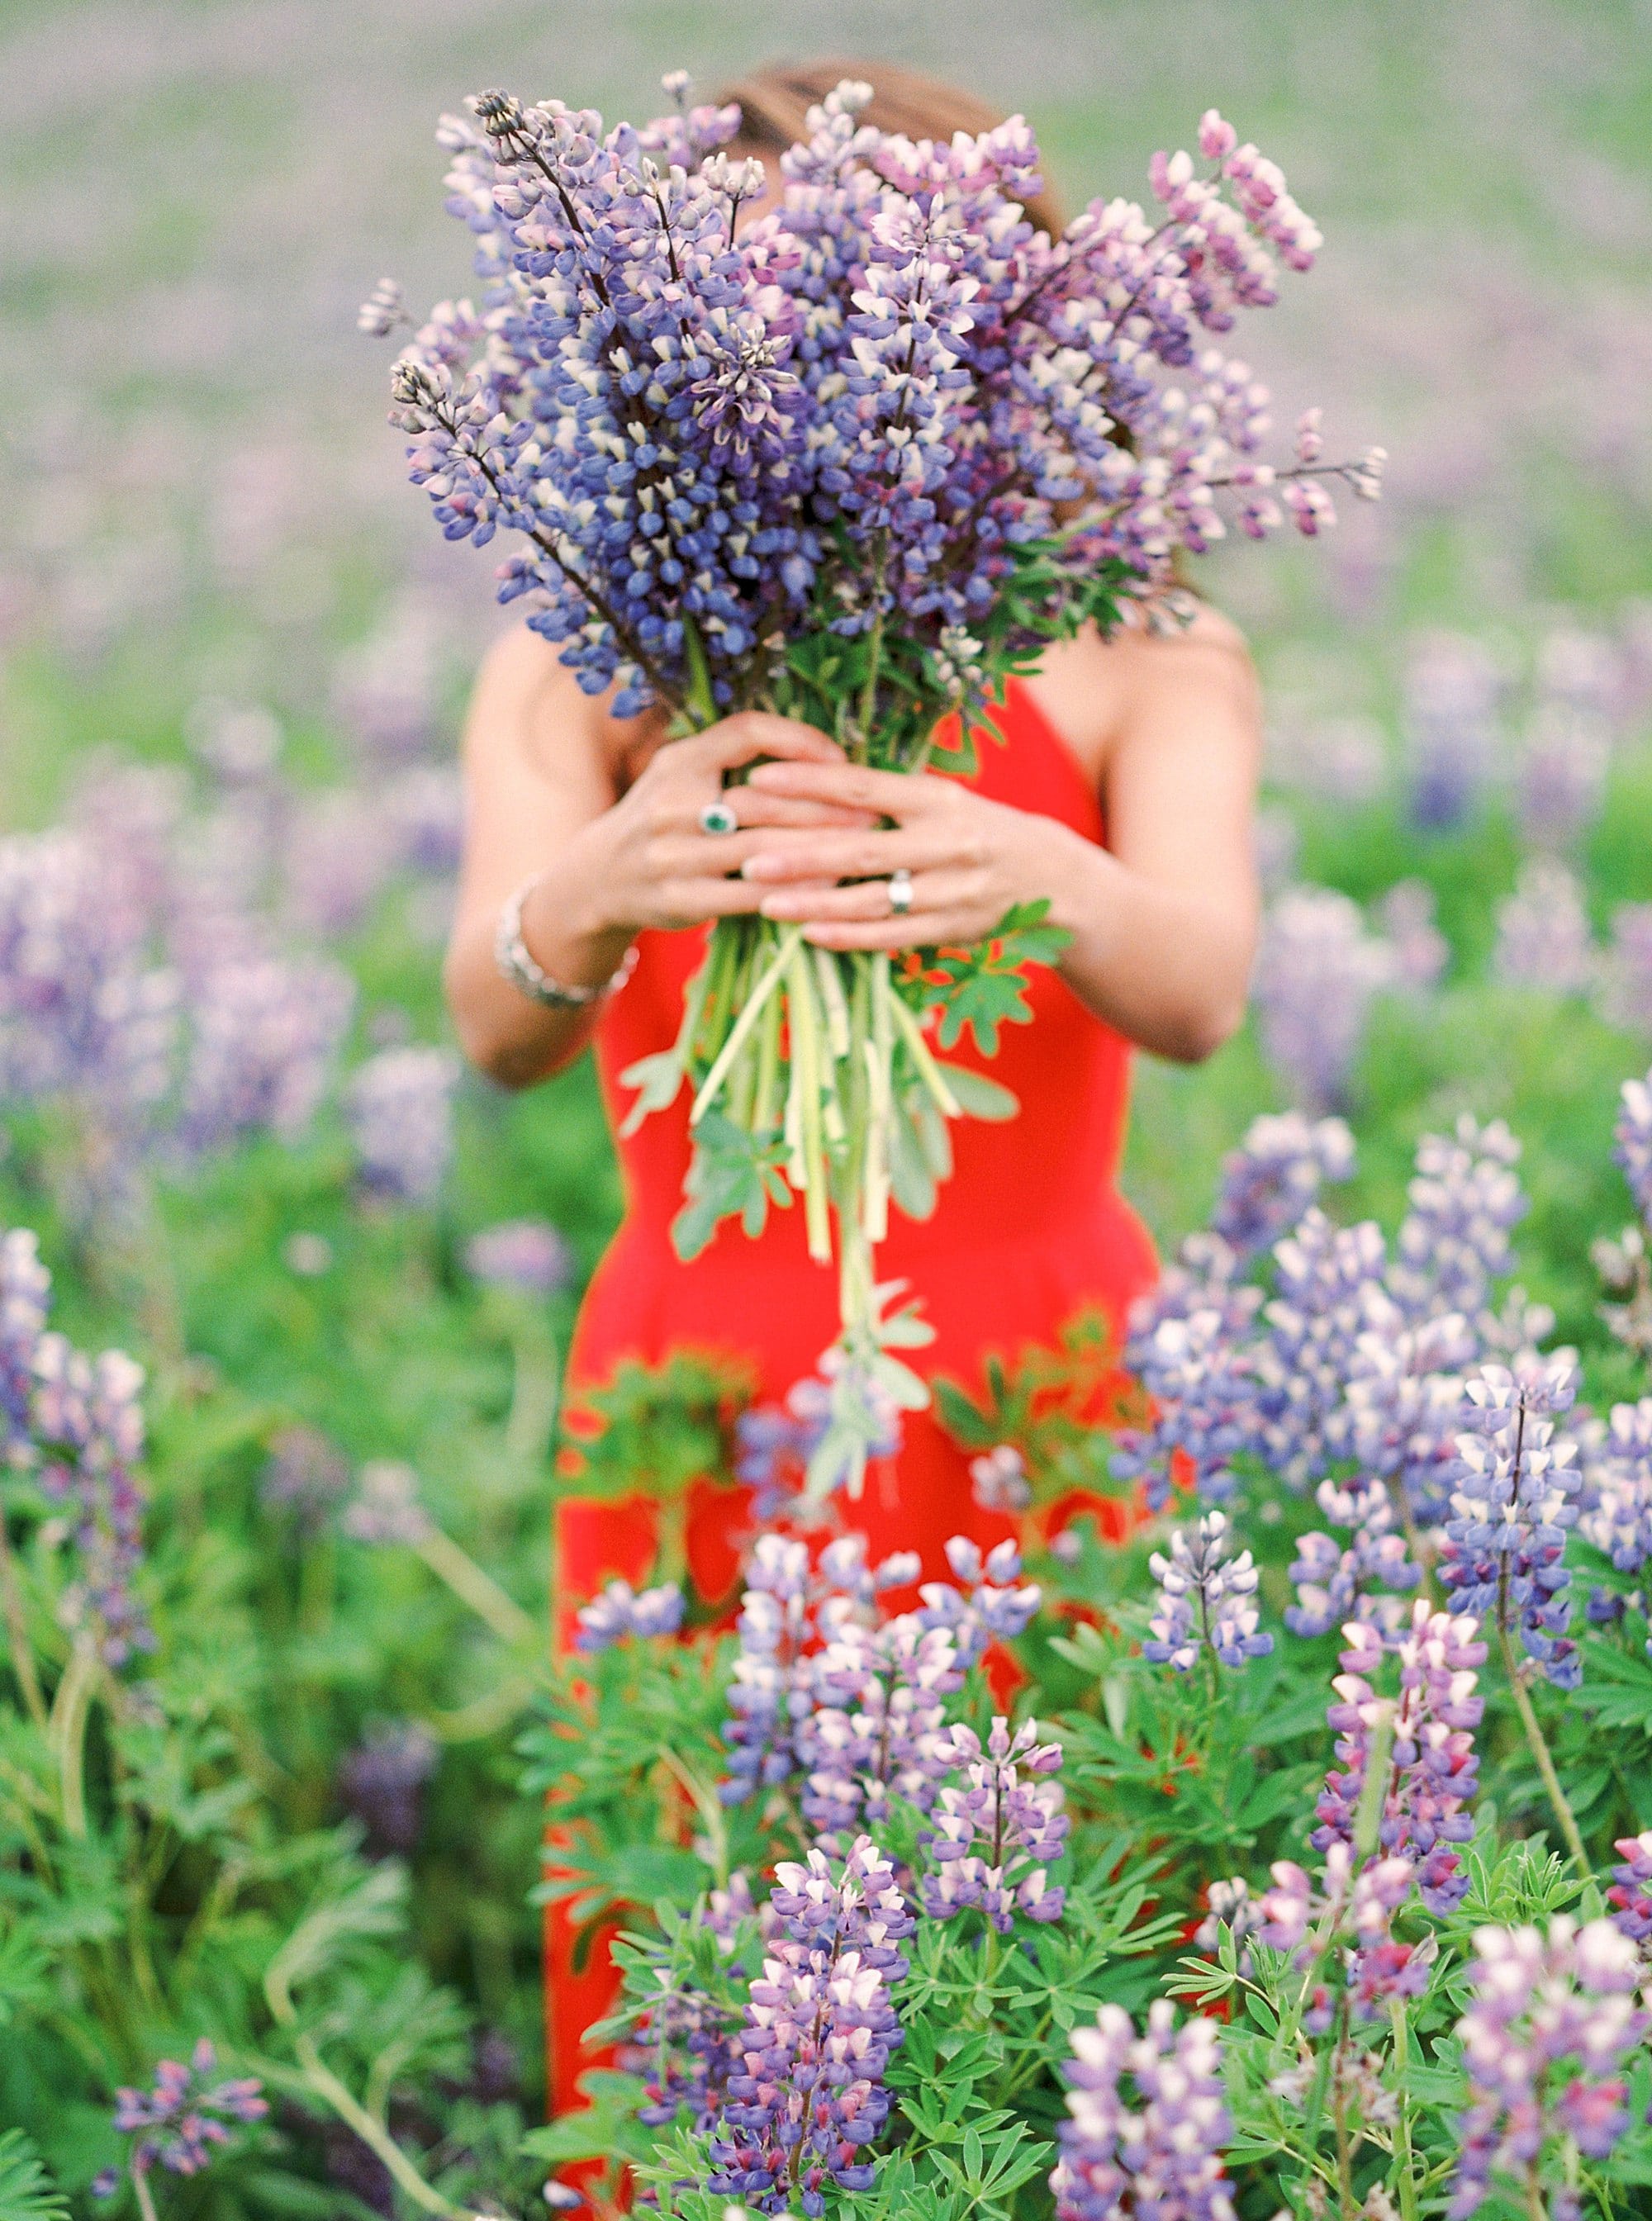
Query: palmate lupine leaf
point(26, 2192)
point(984, 987)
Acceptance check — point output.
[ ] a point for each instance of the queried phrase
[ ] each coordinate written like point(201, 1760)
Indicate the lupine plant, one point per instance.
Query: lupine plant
point(853, 459)
point(1239, 1904)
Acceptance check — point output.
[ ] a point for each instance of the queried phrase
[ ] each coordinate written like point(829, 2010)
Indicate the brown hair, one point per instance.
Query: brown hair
point(775, 99)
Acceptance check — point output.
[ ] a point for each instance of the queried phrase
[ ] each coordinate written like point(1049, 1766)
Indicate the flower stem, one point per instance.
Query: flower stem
point(928, 1070)
point(478, 1589)
point(22, 1650)
point(378, 2139)
point(1539, 1752)
point(535, 1387)
point(68, 1730)
point(1408, 2207)
point(770, 978)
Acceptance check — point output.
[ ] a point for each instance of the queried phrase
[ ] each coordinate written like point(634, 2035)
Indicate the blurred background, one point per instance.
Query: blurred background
point(233, 657)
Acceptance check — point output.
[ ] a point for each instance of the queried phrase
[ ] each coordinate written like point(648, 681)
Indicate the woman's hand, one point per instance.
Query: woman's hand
point(649, 862)
point(970, 860)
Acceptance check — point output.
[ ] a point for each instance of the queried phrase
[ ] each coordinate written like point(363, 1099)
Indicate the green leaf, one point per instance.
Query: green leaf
point(657, 1080)
point(978, 1096)
point(26, 2192)
point(984, 987)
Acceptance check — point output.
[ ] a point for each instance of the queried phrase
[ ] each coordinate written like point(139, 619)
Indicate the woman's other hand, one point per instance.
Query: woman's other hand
point(969, 860)
point(648, 863)
point(549, 800)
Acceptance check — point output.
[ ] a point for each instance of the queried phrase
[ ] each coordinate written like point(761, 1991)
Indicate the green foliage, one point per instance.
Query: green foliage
point(984, 987)
point(26, 2191)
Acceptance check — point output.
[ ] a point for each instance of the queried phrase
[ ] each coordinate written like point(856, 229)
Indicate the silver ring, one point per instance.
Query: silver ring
point(718, 817)
point(900, 892)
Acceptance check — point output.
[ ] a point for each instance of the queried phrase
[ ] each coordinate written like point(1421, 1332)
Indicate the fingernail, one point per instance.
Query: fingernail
point(759, 868)
point(780, 906)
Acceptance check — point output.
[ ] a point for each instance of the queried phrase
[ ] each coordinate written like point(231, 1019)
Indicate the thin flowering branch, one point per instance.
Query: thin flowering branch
point(1147, 2122)
point(994, 1832)
point(1552, 2024)
point(808, 2098)
point(1205, 1604)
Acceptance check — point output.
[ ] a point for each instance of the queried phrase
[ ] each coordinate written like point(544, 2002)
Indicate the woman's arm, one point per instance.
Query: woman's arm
point(543, 803)
point(1163, 920)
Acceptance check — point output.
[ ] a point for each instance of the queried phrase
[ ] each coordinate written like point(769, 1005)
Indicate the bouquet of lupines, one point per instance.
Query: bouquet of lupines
point(854, 461)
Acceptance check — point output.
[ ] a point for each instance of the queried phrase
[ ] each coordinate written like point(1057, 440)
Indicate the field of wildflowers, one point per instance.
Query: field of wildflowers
point(282, 1289)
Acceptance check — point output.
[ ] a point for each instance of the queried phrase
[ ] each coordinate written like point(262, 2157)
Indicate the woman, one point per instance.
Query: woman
point(1123, 796)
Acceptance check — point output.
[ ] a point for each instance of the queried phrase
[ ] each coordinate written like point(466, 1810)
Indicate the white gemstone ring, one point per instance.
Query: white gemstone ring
point(900, 891)
point(718, 817)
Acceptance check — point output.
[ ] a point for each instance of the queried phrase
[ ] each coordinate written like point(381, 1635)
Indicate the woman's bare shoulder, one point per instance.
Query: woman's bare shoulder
point(529, 707)
point(1093, 687)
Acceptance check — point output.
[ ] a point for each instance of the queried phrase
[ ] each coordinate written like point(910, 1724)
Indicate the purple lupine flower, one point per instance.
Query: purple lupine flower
point(1150, 2144)
point(1543, 941)
point(726, 1910)
point(1363, 1581)
point(993, 1834)
point(1228, 1905)
point(997, 1479)
point(1402, 1411)
point(1615, 1459)
point(87, 1423)
point(425, 807)
point(992, 1604)
point(687, 2046)
point(1418, 951)
point(1626, 969)
point(893, 358)
point(1452, 691)
point(1512, 1501)
point(1205, 1600)
point(1615, 1500)
point(1190, 1346)
point(1561, 780)
point(385, 1507)
point(385, 688)
point(807, 2100)
point(527, 1254)
point(381, 1783)
point(84, 1012)
point(776, 1443)
point(25, 1305)
point(1633, 1148)
point(264, 1034)
point(769, 1687)
point(1631, 1894)
point(620, 1613)
point(1358, 1903)
point(338, 852)
point(878, 1725)
point(187, 2114)
point(1317, 970)
point(1466, 1198)
point(1331, 1293)
point(844, 1399)
point(1274, 1174)
point(306, 1477)
point(1552, 2025)
point(1431, 1774)
point(400, 1108)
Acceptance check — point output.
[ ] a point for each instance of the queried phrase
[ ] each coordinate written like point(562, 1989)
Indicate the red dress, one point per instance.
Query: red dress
point(1029, 1232)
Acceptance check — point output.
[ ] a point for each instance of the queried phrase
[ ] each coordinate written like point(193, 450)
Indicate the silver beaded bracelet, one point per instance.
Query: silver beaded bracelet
point(518, 965)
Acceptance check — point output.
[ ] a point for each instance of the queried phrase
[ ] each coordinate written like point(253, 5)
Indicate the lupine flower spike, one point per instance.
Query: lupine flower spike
point(1205, 1600)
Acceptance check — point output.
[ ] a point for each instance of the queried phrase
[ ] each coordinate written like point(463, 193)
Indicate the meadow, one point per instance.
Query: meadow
point(276, 1615)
